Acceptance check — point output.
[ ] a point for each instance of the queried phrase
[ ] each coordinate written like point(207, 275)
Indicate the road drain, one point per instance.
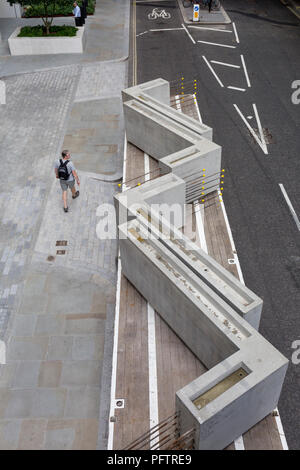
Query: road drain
point(267, 135)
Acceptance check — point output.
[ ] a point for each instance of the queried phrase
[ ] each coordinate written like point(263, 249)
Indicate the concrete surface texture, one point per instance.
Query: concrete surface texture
point(181, 144)
point(58, 279)
point(107, 39)
point(202, 316)
point(215, 16)
point(41, 46)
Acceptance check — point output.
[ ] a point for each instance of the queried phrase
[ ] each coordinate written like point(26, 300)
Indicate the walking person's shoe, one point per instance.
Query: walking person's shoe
point(66, 209)
point(75, 195)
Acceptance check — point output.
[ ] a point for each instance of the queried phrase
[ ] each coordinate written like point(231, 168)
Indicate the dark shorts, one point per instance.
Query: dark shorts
point(66, 184)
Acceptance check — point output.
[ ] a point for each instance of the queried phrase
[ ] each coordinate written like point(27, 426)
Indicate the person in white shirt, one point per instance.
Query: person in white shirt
point(77, 14)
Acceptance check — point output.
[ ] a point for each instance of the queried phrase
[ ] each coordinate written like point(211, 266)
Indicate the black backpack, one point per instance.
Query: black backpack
point(63, 173)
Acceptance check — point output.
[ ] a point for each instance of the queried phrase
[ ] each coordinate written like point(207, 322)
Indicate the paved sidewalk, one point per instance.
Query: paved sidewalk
point(205, 17)
point(57, 309)
point(107, 34)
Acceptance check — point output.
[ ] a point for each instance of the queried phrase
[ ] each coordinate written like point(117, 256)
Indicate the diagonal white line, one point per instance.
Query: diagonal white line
point(216, 44)
point(236, 88)
point(245, 71)
point(260, 129)
point(250, 129)
point(189, 34)
point(235, 32)
point(211, 29)
point(166, 29)
point(225, 63)
point(287, 199)
point(212, 71)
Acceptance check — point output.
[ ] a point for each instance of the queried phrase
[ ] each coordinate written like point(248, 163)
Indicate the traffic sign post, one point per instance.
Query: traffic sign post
point(196, 12)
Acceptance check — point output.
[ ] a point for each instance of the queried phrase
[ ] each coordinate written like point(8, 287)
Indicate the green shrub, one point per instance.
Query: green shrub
point(64, 8)
point(40, 31)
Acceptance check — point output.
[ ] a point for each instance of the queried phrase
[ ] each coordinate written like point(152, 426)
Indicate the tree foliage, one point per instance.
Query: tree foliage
point(49, 7)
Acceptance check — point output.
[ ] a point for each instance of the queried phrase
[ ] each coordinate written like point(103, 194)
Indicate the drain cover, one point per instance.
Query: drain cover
point(61, 252)
point(50, 258)
point(61, 243)
point(267, 135)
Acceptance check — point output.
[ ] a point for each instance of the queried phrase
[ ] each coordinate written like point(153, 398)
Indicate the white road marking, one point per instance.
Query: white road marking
point(141, 34)
point(212, 71)
point(245, 71)
point(189, 34)
point(166, 29)
point(235, 32)
point(260, 128)
point(236, 88)
point(199, 213)
point(197, 108)
point(254, 135)
point(178, 104)
point(211, 29)
point(216, 44)
point(110, 442)
point(287, 199)
point(226, 64)
point(153, 394)
point(280, 430)
point(249, 117)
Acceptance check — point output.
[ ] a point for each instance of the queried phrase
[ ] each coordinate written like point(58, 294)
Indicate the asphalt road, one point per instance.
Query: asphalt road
point(265, 233)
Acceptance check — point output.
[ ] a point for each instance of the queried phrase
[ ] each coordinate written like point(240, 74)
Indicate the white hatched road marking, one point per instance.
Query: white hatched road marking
point(226, 64)
point(217, 44)
point(245, 71)
point(211, 29)
point(212, 71)
point(236, 88)
point(189, 34)
point(292, 210)
point(235, 33)
point(262, 144)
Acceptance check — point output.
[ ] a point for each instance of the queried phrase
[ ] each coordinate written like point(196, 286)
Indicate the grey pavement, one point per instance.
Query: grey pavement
point(107, 33)
point(215, 16)
point(57, 302)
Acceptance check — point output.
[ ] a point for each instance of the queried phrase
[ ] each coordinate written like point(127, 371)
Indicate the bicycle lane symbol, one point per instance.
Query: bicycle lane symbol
point(158, 13)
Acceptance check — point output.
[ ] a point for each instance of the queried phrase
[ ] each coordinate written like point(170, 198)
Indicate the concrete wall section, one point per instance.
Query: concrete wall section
point(158, 89)
point(46, 45)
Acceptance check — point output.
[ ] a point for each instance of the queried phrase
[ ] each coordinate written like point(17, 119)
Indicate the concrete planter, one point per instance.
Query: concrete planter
point(51, 45)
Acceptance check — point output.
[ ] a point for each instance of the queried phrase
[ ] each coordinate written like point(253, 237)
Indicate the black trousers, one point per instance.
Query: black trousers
point(78, 21)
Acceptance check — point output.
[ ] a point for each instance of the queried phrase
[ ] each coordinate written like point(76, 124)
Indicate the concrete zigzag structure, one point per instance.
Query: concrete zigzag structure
point(215, 315)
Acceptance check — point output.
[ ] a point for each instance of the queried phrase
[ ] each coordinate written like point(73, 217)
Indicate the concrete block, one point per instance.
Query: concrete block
point(46, 45)
point(158, 89)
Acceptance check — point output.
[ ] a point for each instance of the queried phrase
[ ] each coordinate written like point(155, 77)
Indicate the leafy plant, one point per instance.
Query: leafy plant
point(40, 31)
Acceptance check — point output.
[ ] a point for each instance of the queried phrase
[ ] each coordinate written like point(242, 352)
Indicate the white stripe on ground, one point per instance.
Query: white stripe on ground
point(189, 34)
point(153, 394)
point(110, 442)
point(166, 29)
point(197, 108)
point(280, 430)
point(225, 63)
point(216, 44)
point(254, 135)
point(260, 128)
point(152, 363)
point(199, 213)
point(212, 71)
point(236, 88)
point(292, 210)
point(178, 104)
point(211, 29)
point(245, 71)
point(235, 32)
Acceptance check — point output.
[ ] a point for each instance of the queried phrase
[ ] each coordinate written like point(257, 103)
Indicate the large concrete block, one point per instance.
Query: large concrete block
point(158, 89)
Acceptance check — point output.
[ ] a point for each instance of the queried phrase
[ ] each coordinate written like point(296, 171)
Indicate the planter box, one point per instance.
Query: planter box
point(50, 45)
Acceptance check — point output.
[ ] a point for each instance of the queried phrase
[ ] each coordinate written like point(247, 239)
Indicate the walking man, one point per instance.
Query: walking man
point(66, 173)
point(77, 14)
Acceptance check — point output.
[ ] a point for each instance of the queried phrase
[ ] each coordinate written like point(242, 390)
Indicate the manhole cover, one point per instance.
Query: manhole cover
point(61, 243)
point(50, 258)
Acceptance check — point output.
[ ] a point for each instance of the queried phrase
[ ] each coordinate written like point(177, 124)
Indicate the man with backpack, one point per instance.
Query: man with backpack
point(66, 173)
